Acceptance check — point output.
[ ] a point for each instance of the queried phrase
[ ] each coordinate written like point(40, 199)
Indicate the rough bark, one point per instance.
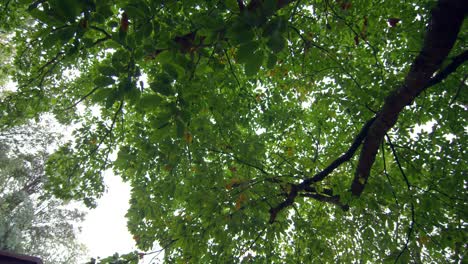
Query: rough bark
point(447, 18)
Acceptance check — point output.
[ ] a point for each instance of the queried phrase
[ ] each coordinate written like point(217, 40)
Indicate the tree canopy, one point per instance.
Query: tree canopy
point(263, 131)
point(31, 221)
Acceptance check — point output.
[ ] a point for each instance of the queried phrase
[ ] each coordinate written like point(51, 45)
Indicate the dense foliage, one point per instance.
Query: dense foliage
point(31, 221)
point(238, 123)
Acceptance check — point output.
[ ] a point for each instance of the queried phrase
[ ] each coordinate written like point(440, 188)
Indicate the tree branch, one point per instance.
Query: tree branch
point(81, 99)
point(446, 21)
point(305, 184)
point(397, 160)
point(35, 4)
point(241, 5)
point(447, 18)
point(452, 67)
point(457, 93)
point(335, 199)
point(342, 159)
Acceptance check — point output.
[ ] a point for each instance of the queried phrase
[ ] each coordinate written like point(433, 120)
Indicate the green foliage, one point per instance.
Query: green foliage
point(32, 221)
point(212, 112)
point(130, 258)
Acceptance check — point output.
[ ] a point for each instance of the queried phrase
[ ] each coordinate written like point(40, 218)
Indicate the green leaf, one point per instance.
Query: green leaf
point(232, 5)
point(50, 41)
point(173, 70)
point(112, 98)
point(101, 94)
point(133, 95)
point(162, 88)
point(165, 57)
point(151, 101)
point(134, 12)
point(276, 26)
point(276, 43)
point(107, 70)
point(253, 63)
point(44, 17)
point(245, 51)
point(120, 59)
point(272, 59)
point(104, 10)
point(244, 36)
point(65, 10)
point(144, 32)
point(66, 34)
point(180, 128)
point(102, 81)
point(126, 85)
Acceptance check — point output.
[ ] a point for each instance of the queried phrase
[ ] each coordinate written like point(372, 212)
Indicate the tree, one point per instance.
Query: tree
point(238, 123)
point(32, 222)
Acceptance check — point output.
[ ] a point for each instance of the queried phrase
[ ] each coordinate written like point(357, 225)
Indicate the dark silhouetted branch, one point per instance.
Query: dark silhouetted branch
point(447, 18)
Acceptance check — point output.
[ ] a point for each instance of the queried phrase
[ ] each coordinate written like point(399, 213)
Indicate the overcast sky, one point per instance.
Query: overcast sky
point(105, 228)
point(104, 232)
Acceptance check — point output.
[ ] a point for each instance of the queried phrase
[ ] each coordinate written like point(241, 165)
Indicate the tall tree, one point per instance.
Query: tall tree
point(32, 222)
point(268, 131)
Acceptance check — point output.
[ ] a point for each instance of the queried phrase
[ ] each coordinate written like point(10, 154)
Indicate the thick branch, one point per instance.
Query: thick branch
point(288, 202)
point(335, 199)
point(342, 159)
point(453, 66)
point(447, 18)
point(305, 184)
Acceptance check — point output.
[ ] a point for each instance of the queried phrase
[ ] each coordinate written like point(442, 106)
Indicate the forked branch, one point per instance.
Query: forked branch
point(447, 18)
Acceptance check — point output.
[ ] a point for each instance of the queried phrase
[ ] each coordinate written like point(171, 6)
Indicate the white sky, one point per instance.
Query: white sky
point(104, 231)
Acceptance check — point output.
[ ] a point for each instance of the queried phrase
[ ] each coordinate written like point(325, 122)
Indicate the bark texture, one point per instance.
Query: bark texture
point(443, 29)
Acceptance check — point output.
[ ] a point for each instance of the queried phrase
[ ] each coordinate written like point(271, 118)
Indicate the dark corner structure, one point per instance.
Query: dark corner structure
point(14, 258)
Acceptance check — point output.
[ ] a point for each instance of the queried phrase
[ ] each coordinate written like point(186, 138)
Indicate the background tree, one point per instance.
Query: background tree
point(237, 123)
point(32, 222)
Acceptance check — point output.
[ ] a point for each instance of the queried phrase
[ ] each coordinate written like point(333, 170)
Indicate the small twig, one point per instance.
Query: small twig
point(322, 174)
point(232, 69)
point(327, 53)
point(328, 199)
point(294, 11)
point(240, 160)
point(81, 99)
point(255, 240)
point(388, 176)
point(462, 84)
point(289, 163)
point(109, 131)
point(101, 30)
point(157, 252)
point(408, 236)
point(408, 185)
